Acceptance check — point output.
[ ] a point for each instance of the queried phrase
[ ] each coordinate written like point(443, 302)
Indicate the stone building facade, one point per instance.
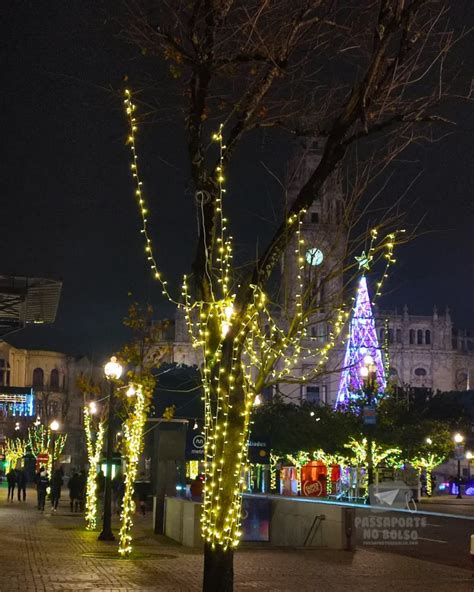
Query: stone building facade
point(52, 379)
point(428, 351)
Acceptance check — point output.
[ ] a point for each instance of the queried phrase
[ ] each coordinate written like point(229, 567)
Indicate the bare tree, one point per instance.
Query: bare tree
point(367, 73)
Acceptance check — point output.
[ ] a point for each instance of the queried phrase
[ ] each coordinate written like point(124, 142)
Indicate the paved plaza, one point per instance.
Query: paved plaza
point(44, 552)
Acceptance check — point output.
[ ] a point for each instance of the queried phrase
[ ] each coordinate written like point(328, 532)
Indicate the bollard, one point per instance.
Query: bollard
point(472, 552)
point(349, 528)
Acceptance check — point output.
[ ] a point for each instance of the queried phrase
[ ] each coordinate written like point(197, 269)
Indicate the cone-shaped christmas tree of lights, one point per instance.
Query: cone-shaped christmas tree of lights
point(362, 342)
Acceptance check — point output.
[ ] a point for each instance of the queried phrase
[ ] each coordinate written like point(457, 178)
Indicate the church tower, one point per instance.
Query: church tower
point(323, 249)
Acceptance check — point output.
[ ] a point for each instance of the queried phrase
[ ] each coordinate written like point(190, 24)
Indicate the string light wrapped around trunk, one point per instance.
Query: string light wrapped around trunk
point(133, 446)
point(94, 450)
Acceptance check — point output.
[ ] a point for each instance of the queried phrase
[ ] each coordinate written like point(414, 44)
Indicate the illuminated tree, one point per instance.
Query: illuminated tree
point(42, 441)
point(141, 357)
point(252, 65)
point(133, 446)
point(15, 449)
point(427, 463)
point(94, 443)
point(380, 453)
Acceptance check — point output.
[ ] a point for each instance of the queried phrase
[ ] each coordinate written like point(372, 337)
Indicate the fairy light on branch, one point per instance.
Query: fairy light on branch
point(40, 443)
point(15, 449)
point(130, 108)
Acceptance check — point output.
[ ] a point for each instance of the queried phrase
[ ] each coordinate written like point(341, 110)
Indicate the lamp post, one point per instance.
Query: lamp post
point(54, 427)
point(112, 371)
point(459, 449)
point(468, 458)
point(368, 375)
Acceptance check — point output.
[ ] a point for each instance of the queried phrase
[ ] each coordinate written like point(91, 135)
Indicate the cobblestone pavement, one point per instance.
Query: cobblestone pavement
point(48, 553)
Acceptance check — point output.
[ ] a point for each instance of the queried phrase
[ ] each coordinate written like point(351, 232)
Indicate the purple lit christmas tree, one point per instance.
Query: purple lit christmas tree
point(362, 342)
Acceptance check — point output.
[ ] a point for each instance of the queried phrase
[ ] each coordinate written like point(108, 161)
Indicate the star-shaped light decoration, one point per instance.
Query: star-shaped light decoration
point(364, 260)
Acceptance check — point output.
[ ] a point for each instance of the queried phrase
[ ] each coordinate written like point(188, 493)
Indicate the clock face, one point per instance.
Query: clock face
point(314, 256)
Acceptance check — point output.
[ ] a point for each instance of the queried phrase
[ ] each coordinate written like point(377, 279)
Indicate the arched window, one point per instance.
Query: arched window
point(399, 335)
point(314, 217)
point(382, 335)
point(412, 336)
point(38, 378)
point(419, 337)
point(390, 335)
point(420, 372)
point(54, 379)
point(461, 380)
point(4, 373)
point(428, 337)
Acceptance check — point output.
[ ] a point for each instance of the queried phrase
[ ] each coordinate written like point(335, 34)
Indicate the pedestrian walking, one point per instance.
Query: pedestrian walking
point(11, 479)
point(197, 488)
point(42, 484)
point(56, 484)
point(118, 491)
point(75, 493)
point(21, 480)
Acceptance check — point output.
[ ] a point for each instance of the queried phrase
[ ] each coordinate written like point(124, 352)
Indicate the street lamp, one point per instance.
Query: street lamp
point(54, 427)
point(112, 371)
point(368, 374)
point(459, 449)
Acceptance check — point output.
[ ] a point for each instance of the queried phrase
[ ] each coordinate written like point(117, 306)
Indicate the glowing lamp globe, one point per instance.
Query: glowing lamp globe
point(368, 360)
point(113, 369)
point(468, 455)
point(54, 425)
point(429, 441)
point(93, 407)
point(364, 371)
point(458, 438)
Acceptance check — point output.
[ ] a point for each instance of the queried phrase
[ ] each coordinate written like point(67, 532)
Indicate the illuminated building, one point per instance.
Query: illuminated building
point(42, 384)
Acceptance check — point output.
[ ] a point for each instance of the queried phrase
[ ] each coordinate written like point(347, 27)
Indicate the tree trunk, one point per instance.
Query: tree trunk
point(218, 569)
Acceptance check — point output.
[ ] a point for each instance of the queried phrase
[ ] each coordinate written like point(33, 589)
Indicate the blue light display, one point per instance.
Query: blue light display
point(17, 404)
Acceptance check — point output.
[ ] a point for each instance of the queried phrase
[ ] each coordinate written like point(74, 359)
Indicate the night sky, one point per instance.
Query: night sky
point(67, 198)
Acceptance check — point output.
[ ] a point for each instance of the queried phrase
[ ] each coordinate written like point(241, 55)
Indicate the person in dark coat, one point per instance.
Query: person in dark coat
point(82, 489)
point(11, 479)
point(118, 491)
point(100, 483)
point(142, 490)
point(42, 484)
point(21, 480)
point(75, 493)
point(56, 484)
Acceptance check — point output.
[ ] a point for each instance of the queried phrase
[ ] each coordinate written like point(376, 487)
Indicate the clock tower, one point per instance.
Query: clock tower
point(323, 249)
